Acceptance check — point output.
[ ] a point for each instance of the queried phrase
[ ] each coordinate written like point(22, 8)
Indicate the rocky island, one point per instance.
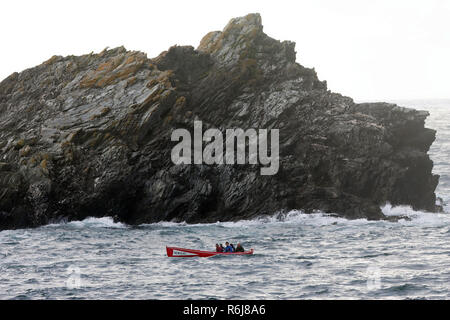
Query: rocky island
point(91, 136)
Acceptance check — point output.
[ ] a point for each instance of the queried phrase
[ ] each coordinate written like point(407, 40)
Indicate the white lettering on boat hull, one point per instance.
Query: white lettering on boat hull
point(182, 253)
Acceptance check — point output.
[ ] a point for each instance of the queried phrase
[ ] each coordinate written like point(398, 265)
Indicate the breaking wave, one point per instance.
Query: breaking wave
point(407, 216)
point(92, 222)
point(417, 217)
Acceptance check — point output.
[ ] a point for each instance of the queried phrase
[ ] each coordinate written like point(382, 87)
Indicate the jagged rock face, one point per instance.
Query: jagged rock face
point(91, 136)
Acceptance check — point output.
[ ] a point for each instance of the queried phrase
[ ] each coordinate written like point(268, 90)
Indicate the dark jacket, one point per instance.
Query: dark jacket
point(240, 249)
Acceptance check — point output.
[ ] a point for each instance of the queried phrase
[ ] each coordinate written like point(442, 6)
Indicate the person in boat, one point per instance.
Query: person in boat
point(239, 248)
point(228, 248)
point(222, 247)
point(232, 246)
point(219, 248)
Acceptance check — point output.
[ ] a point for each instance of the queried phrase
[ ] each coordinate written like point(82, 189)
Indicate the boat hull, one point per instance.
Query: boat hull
point(175, 252)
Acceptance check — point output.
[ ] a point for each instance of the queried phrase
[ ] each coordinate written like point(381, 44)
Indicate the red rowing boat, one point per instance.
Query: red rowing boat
point(188, 253)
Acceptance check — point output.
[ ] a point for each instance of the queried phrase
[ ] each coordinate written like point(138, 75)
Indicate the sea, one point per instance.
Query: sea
point(296, 255)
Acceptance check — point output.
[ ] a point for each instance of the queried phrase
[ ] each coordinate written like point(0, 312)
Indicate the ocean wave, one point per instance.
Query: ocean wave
point(406, 214)
point(296, 217)
point(415, 217)
point(291, 217)
point(92, 222)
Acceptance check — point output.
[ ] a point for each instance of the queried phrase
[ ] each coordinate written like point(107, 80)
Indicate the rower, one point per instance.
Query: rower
point(228, 248)
point(239, 248)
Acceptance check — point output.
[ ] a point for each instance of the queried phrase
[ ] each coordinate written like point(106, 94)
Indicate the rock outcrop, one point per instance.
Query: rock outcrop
point(91, 136)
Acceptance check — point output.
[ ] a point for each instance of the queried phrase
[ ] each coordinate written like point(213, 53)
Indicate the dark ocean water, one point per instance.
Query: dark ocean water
point(297, 256)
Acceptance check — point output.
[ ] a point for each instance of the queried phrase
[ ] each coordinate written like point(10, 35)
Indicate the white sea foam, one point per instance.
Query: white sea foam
point(105, 222)
point(416, 217)
point(413, 217)
point(168, 224)
point(291, 217)
point(295, 217)
point(91, 222)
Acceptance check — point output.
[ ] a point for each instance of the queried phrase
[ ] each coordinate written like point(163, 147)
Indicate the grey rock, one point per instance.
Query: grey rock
point(90, 136)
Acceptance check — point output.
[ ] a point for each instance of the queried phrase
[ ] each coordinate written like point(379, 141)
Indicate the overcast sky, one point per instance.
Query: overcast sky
point(368, 50)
